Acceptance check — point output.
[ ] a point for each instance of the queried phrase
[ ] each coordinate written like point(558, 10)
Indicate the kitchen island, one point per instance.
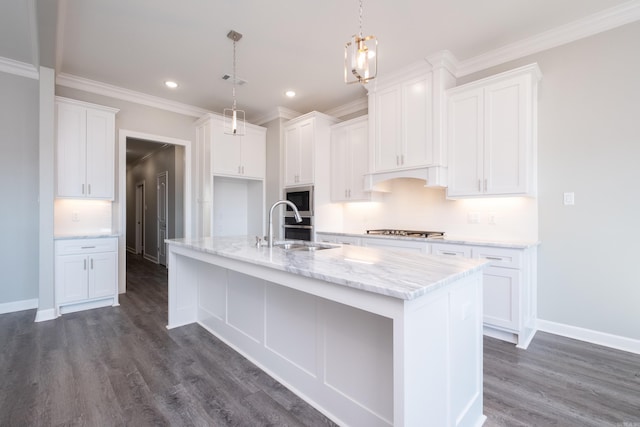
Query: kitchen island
point(369, 337)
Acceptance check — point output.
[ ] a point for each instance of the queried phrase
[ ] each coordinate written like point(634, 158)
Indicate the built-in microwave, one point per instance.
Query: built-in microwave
point(302, 197)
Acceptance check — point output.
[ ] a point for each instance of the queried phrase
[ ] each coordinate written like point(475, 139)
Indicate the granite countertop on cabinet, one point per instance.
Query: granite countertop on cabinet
point(399, 275)
point(446, 239)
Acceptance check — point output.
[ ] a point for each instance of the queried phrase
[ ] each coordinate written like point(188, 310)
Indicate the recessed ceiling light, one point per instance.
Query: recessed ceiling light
point(171, 84)
point(290, 93)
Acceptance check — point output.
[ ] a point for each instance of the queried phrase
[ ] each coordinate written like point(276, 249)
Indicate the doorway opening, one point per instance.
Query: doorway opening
point(154, 201)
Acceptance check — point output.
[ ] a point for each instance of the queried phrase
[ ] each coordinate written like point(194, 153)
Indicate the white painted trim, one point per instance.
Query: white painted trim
point(277, 113)
point(123, 134)
point(131, 250)
point(354, 106)
point(595, 337)
point(11, 307)
point(19, 68)
point(116, 92)
point(151, 258)
point(598, 22)
point(44, 315)
point(33, 33)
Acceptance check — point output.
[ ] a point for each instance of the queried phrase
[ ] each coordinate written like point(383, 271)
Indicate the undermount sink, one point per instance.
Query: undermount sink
point(301, 245)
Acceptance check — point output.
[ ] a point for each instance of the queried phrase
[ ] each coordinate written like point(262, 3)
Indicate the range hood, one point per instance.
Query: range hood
point(433, 176)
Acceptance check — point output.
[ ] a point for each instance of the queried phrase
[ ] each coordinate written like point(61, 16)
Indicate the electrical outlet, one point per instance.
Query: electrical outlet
point(473, 217)
point(492, 218)
point(569, 199)
point(75, 216)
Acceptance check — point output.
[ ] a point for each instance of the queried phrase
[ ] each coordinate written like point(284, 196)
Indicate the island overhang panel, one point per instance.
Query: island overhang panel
point(368, 337)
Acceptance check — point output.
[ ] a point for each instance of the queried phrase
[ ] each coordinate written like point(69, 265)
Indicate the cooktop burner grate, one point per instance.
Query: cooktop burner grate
point(405, 233)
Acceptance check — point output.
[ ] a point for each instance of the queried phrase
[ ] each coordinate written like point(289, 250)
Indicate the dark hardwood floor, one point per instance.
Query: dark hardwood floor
point(121, 366)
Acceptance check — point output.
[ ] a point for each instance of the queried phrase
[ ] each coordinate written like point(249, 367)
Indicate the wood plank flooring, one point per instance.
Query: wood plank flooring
point(121, 366)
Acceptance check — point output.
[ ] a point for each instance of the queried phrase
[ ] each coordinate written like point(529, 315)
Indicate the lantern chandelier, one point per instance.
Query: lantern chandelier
point(360, 57)
point(234, 122)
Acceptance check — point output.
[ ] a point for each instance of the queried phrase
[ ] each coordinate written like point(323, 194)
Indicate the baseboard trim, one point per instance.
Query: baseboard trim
point(44, 315)
point(151, 258)
point(131, 250)
point(594, 337)
point(12, 307)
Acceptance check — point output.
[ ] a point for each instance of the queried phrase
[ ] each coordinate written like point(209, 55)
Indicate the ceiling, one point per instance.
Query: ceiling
point(287, 44)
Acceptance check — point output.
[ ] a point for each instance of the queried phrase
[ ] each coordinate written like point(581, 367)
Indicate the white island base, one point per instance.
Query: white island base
point(359, 357)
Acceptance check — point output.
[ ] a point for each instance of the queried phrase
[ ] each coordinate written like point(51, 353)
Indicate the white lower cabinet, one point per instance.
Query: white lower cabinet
point(86, 272)
point(404, 245)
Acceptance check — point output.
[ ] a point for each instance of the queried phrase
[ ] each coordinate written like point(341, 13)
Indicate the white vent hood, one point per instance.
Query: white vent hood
point(435, 176)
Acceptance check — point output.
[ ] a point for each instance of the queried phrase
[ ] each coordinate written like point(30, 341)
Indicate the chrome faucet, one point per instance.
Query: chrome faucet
point(295, 213)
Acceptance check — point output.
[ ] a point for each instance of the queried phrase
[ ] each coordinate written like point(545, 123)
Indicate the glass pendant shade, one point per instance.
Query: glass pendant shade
point(234, 123)
point(360, 59)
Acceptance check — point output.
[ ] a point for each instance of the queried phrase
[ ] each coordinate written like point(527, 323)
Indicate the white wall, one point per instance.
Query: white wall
point(19, 188)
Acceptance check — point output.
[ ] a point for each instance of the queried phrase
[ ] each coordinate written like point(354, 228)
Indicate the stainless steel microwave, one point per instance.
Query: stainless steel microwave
point(302, 197)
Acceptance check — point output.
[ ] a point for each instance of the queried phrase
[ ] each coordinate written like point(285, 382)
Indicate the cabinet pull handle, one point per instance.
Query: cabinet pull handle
point(239, 171)
point(345, 193)
point(242, 170)
point(82, 188)
point(85, 264)
point(349, 193)
point(493, 258)
point(92, 263)
point(485, 185)
point(397, 160)
point(89, 186)
point(479, 186)
point(449, 253)
point(344, 243)
point(87, 247)
point(402, 159)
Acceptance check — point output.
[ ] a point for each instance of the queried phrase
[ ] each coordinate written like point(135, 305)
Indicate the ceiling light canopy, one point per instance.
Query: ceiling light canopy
point(290, 93)
point(171, 84)
point(360, 57)
point(234, 122)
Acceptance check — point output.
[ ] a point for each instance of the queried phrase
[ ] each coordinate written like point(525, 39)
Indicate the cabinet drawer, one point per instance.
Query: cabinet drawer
point(450, 250)
point(86, 246)
point(500, 257)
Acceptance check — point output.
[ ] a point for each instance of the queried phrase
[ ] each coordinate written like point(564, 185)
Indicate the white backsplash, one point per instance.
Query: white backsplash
point(410, 205)
point(82, 217)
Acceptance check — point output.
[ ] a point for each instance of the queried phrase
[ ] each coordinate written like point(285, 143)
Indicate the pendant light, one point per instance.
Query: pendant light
point(360, 57)
point(234, 123)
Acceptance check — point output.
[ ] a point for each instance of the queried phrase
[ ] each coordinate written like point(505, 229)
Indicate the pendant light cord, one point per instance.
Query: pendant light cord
point(234, 74)
point(360, 19)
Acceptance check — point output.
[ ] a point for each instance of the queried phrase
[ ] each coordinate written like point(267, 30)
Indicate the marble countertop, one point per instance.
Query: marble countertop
point(446, 239)
point(400, 275)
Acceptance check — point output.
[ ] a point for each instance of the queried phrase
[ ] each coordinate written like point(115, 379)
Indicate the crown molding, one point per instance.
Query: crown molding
point(111, 91)
point(354, 106)
point(277, 113)
point(19, 68)
point(602, 21)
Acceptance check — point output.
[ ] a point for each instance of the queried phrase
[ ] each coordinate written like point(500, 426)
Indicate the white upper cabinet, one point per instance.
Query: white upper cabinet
point(403, 125)
point(306, 144)
point(85, 150)
point(238, 156)
point(491, 134)
point(406, 123)
point(349, 160)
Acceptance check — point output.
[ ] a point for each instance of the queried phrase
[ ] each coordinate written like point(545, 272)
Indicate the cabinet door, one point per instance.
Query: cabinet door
point(417, 123)
point(501, 297)
point(307, 136)
point(388, 131)
point(465, 132)
point(358, 158)
point(291, 155)
point(225, 152)
point(505, 137)
point(253, 156)
point(71, 278)
point(339, 164)
point(100, 154)
point(102, 274)
point(71, 151)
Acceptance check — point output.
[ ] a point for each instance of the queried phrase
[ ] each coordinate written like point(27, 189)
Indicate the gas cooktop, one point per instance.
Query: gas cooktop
point(406, 233)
